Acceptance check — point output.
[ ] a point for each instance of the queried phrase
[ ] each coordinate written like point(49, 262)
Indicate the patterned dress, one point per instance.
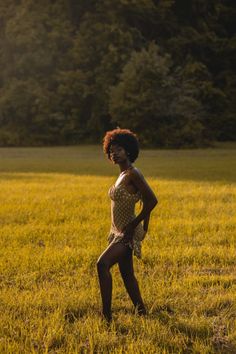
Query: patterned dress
point(122, 213)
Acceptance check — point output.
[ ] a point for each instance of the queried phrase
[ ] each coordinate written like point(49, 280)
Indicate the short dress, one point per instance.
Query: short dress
point(122, 212)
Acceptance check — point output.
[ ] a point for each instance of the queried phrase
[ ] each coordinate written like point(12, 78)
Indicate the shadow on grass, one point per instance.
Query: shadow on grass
point(215, 335)
point(166, 316)
point(74, 315)
point(197, 165)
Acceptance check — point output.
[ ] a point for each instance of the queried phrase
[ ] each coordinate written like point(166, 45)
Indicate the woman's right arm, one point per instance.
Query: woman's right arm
point(146, 222)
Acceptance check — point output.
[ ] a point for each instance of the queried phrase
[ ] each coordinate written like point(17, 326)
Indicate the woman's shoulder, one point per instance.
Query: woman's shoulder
point(135, 173)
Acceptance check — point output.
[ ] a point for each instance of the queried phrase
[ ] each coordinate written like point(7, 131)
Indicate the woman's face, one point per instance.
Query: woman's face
point(118, 154)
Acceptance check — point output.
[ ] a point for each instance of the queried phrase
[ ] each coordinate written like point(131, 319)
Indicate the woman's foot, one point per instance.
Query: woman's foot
point(107, 317)
point(141, 310)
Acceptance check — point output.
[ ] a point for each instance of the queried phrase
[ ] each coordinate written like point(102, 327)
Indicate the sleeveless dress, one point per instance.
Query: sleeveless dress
point(122, 212)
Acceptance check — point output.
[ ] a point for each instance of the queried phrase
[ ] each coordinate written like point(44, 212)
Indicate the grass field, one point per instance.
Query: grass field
point(55, 217)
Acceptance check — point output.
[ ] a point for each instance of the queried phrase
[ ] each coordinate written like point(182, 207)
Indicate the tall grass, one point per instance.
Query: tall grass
point(55, 217)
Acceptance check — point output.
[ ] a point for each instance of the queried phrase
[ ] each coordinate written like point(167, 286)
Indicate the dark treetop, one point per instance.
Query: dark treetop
point(71, 70)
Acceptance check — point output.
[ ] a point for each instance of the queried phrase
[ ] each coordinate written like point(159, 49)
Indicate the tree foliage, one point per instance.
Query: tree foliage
point(156, 102)
point(71, 70)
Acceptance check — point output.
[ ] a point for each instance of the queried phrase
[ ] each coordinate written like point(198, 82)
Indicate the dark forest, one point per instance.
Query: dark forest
point(70, 70)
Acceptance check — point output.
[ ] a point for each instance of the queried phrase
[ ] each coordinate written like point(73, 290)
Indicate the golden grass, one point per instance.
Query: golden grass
point(54, 222)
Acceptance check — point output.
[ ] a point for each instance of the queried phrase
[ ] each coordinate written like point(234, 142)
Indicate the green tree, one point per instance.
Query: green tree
point(101, 49)
point(155, 103)
point(59, 60)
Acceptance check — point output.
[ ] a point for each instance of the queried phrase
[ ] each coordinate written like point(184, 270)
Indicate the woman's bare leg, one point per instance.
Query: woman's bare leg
point(113, 254)
point(130, 281)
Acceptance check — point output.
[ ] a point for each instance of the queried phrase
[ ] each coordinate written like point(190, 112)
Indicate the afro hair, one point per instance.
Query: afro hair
point(124, 138)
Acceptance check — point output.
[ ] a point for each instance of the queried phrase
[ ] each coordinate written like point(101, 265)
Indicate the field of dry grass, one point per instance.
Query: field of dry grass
point(55, 217)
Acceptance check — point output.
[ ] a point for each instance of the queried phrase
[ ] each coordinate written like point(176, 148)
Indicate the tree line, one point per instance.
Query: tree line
point(73, 69)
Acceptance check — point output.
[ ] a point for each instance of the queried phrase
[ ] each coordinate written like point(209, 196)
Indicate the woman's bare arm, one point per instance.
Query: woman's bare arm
point(149, 202)
point(146, 222)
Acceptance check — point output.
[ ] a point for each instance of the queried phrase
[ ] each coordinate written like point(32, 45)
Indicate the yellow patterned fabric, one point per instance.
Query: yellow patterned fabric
point(122, 212)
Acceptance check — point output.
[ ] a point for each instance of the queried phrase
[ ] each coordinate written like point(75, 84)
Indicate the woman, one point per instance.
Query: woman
point(127, 232)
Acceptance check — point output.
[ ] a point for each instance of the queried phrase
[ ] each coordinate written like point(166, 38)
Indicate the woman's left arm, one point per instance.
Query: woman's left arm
point(148, 197)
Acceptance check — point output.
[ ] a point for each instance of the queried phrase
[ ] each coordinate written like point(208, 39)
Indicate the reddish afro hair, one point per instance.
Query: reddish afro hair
point(124, 138)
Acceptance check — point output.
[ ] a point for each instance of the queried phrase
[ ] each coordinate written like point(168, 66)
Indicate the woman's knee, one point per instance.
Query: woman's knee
point(102, 265)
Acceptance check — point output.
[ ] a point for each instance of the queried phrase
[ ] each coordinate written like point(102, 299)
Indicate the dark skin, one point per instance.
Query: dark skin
point(121, 253)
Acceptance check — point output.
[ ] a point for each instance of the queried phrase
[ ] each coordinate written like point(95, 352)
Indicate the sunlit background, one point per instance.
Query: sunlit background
point(71, 70)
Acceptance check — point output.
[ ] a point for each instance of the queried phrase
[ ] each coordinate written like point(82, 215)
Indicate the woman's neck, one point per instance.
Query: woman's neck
point(125, 166)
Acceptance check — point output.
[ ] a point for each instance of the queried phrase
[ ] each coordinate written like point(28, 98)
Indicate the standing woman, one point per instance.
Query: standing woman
point(127, 231)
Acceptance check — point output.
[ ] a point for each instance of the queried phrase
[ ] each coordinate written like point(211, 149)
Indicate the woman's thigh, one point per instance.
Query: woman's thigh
point(114, 253)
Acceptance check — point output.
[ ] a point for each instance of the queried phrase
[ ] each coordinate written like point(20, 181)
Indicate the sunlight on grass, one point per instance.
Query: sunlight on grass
point(55, 219)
